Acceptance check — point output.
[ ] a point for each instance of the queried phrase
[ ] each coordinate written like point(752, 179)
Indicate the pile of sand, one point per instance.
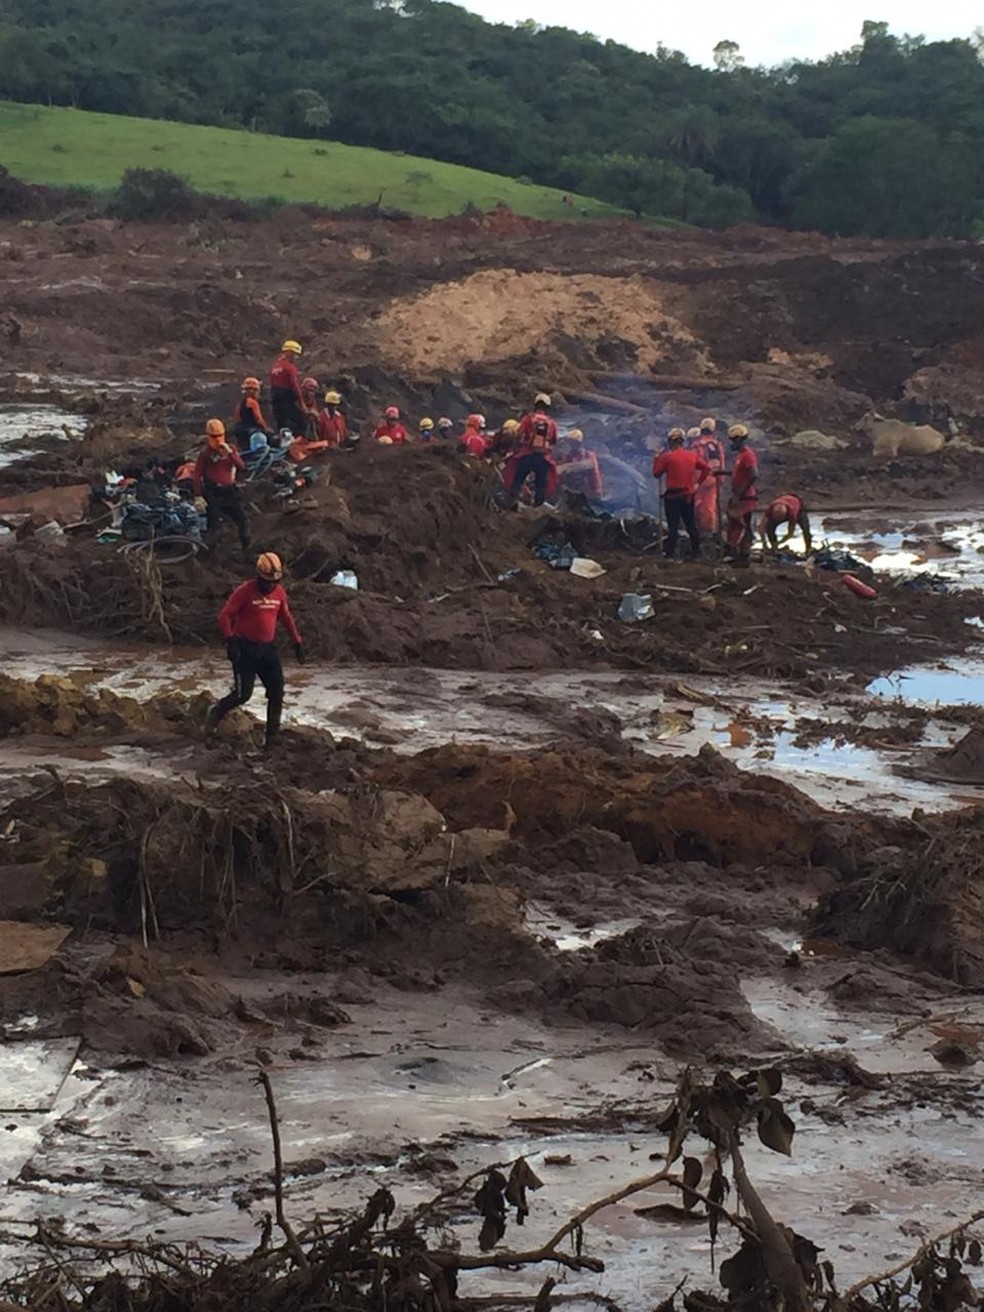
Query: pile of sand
point(501, 313)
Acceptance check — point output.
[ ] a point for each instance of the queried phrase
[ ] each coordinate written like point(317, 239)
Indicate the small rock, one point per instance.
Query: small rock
point(861, 1208)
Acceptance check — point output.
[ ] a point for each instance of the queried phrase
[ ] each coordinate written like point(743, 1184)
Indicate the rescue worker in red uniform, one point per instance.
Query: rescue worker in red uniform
point(310, 443)
point(744, 495)
point(577, 467)
point(707, 502)
point(787, 509)
point(249, 417)
point(285, 390)
point(474, 441)
point(533, 456)
point(391, 432)
point(215, 479)
point(539, 414)
point(332, 424)
point(684, 471)
point(249, 622)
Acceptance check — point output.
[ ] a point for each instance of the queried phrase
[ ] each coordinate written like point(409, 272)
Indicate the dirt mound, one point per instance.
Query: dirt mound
point(61, 706)
point(499, 314)
point(963, 762)
point(701, 808)
point(922, 896)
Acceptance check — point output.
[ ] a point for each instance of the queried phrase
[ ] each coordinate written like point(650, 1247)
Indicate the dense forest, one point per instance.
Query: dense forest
point(884, 139)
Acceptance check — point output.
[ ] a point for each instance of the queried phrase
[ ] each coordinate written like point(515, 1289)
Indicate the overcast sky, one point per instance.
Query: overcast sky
point(767, 33)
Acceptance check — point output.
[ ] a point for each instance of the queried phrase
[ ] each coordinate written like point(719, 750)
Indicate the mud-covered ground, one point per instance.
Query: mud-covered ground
point(515, 863)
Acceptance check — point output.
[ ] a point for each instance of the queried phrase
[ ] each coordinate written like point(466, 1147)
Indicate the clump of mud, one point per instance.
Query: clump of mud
point(922, 896)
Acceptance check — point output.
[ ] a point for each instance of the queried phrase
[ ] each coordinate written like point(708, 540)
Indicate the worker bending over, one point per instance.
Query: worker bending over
point(744, 495)
point(684, 471)
point(787, 509)
point(248, 622)
point(214, 478)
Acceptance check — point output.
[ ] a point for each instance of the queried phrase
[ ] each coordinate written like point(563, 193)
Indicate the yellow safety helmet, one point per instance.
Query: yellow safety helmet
point(708, 425)
point(693, 432)
point(542, 398)
point(269, 566)
point(426, 425)
point(575, 435)
point(737, 430)
point(511, 426)
point(333, 398)
point(293, 347)
point(676, 435)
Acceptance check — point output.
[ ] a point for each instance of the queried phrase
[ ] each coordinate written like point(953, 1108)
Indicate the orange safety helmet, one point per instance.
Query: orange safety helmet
point(392, 412)
point(215, 432)
point(251, 384)
point(475, 421)
point(269, 566)
point(309, 385)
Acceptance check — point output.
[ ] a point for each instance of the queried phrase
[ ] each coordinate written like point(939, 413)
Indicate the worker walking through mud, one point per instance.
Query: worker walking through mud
point(214, 478)
point(787, 509)
point(744, 495)
point(249, 622)
point(684, 471)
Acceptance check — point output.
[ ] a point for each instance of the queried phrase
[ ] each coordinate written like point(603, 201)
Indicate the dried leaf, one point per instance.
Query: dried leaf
point(668, 1120)
point(974, 1252)
point(521, 1178)
point(717, 1191)
point(775, 1128)
point(692, 1172)
point(493, 1228)
point(668, 1212)
point(136, 988)
point(769, 1082)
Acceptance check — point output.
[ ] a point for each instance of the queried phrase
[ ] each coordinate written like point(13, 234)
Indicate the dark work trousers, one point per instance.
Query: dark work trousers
point(680, 514)
point(252, 661)
point(224, 502)
point(287, 412)
point(537, 464)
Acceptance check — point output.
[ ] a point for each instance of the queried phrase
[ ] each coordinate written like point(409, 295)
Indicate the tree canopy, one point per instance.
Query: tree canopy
point(883, 139)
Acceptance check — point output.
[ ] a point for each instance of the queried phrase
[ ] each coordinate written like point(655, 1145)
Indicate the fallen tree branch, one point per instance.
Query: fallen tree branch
point(844, 1301)
point(296, 1251)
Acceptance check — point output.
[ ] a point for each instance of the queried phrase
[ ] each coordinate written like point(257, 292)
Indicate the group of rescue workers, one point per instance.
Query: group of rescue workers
point(535, 460)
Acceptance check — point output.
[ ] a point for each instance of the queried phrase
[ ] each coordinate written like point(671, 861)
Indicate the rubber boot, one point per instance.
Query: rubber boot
point(274, 712)
point(211, 720)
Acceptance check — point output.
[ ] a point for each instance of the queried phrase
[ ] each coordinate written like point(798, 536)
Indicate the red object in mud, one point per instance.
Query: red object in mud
point(859, 589)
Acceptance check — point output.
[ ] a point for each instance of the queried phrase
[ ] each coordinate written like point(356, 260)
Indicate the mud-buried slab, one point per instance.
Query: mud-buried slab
point(34, 1071)
point(28, 947)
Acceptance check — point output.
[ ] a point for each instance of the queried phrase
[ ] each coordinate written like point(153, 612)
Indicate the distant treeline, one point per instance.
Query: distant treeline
point(886, 139)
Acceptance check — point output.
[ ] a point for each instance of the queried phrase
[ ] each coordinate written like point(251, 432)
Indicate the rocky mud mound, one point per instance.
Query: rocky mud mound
point(375, 874)
point(922, 895)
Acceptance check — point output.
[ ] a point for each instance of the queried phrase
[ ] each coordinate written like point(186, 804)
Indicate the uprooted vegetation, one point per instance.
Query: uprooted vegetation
point(922, 895)
point(422, 1259)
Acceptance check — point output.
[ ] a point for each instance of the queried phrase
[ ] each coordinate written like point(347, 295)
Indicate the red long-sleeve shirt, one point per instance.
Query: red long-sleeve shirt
point(286, 376)
point(253, 615)
point(218, 467)
point(683, 470)
point(744, 475)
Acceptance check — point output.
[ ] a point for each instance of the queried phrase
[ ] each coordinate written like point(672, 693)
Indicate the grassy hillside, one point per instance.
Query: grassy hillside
point(68, 147)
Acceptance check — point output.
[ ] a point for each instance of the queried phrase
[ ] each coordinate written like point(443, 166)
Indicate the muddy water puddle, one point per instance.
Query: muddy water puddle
point(27, 429)
point(949, 546)
point(182, 1151)
point(752, 725)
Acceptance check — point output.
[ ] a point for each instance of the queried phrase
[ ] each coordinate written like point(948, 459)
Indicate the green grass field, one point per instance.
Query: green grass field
point(72, 148)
